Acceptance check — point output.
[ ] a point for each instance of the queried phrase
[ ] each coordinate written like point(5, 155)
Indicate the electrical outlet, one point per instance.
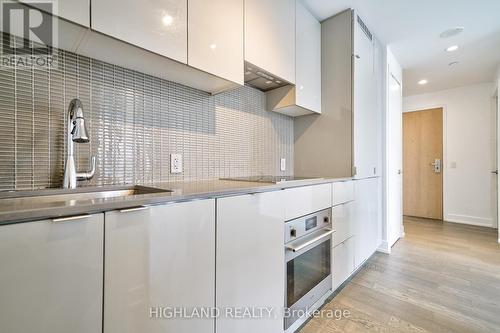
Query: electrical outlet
point(175, 163)
point(283, 164)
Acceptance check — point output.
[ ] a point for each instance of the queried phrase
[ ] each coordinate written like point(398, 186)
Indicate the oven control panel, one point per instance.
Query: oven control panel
point(304, 225)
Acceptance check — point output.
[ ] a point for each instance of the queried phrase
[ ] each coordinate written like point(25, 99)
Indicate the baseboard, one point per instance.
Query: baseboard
point(471, 220)
point(384, 248)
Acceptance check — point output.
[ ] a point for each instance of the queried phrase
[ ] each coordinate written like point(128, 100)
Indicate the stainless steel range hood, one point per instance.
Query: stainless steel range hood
point(260, 79)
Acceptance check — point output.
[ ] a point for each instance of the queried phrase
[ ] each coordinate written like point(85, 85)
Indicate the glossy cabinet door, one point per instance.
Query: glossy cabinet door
point(159, 26)
point(365, 128)
point(77, 11)
point(308, 60)
point(343, 261)
point(367, 217)
point(159, 257)
point(343, 222)
point(251, 260)
point(342, 192)
point(270, 36)
point(51, 276)
point(304, 200)
point(216, 37)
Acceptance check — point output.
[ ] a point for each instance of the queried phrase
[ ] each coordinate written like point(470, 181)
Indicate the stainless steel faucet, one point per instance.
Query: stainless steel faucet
point(77, 132)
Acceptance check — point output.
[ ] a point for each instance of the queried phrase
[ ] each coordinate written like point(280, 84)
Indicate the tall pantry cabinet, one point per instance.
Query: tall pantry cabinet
point(347, 135)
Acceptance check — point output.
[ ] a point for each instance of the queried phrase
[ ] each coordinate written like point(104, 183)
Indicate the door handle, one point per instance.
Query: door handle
point(71, 218)
point(133, 209)
point(437, 165)
point(495, 172)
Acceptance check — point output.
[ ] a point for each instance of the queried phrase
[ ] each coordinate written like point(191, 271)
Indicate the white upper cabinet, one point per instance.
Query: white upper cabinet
point(77, 11)
point(159, 26)
point(216, 37)
point(305, 96)
point(270, 36)
point(308, 60)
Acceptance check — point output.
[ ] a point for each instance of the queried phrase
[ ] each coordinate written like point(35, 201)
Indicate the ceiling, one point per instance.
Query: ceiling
point(411, 29)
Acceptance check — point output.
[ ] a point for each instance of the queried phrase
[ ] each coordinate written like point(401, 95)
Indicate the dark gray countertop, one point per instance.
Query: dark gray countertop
point(13, 210)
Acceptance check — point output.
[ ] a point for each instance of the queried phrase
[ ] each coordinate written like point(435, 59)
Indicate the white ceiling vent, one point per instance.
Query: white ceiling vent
point(364, 28)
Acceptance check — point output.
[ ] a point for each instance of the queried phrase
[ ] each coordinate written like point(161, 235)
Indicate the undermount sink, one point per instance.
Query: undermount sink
point(64, 195)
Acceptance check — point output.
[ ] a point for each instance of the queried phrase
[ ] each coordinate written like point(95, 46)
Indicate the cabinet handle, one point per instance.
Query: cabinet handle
point(133, 209)
point(71, 218)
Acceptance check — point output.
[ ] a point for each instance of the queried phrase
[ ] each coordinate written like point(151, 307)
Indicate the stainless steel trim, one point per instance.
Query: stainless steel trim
point(303, 245)
point(304, 303)
point(133, 209)
point(71, 218)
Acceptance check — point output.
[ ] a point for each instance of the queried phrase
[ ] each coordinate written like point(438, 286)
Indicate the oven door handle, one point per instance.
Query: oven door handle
point(296, 248)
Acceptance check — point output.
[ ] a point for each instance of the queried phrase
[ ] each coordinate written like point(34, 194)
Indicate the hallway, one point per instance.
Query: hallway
point(442, 277)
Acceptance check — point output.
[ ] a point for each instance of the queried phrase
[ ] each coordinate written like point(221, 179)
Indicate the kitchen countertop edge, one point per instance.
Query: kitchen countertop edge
point(177, 195)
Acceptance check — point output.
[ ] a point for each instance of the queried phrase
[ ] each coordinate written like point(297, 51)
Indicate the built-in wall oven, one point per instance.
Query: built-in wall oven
point(308, 243)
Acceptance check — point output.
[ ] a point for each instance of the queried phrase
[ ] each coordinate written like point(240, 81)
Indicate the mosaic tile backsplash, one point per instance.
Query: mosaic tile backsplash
point(135, 122)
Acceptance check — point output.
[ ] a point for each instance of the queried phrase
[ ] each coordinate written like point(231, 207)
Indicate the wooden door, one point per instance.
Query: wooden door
point(422, 148)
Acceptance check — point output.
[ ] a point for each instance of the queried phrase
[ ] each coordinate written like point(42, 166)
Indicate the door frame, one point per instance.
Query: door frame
point(444, 163)
point(389, 158)
point(496, 157)
point(496, 95)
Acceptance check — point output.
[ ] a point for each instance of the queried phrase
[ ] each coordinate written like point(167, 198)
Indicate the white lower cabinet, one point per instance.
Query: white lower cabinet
point(342, 192)
point(51, 276)
point(305, 200)
point(156, 260)
point(342, 221)
point(366, 218)
point(250, 261)
point(343, 261)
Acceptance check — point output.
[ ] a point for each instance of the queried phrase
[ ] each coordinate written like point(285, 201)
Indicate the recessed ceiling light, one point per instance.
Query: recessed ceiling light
point(422, 82)
point(452, 48)
point(451, 32)
point(453, 63)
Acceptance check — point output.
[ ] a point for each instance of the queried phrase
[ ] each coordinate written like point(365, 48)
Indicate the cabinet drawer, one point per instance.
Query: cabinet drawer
point(343, 222)
point(301, 201)
point(343, 262)
point(342, 192)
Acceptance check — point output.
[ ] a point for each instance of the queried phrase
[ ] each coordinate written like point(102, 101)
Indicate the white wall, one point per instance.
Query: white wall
point(467, 142)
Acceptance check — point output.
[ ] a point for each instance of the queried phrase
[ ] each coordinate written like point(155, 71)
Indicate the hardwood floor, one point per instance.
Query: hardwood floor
point(442, 277)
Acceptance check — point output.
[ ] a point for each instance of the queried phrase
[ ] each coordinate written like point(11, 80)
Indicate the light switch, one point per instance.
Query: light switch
point(453, 165)
point(175, 163)
point(283, 164)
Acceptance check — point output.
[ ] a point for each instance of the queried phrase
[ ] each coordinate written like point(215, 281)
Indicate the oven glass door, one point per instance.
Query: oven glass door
point(307, 270)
